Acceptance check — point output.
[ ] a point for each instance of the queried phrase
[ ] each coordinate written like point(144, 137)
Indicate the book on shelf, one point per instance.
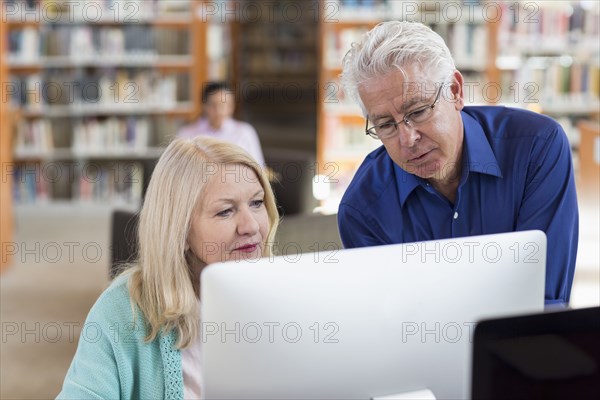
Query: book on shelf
point(338, 42)
point(356, 10)
point(96, 84)
point(30, 184)
point(102, 87)
point(468, 45)
point(218, 49)
point(34, 137)
point(23, 45)
point(112, 183)
point(112, 135)
point(95, 11)
point(549, 27)
point(76, 43)
point(557, 82)
point(82, 42)
point(115, 183)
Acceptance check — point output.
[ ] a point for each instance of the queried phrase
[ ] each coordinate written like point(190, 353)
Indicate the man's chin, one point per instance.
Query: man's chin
point(426, 171)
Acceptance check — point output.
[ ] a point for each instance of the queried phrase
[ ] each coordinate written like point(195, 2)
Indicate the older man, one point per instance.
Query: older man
point(449, 170)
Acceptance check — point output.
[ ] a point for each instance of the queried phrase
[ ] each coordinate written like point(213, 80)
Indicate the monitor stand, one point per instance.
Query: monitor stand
point(422, 394)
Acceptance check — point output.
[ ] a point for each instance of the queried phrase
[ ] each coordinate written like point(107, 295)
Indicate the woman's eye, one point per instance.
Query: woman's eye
point(224, 213)
point(257, 203)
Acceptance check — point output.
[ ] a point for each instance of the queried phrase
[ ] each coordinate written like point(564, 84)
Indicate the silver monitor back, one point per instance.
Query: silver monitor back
point(362, 323)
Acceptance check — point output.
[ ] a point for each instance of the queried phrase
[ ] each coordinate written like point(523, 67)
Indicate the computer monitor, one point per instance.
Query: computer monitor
point(554, 355)
point(362, 323)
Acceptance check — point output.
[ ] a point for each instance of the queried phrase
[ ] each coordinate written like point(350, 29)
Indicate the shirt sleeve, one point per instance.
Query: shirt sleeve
point(550, 204)
point(355, 229)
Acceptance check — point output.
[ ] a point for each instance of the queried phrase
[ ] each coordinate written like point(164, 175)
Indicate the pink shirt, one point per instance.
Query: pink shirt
point(191, 369)
point(233, 131)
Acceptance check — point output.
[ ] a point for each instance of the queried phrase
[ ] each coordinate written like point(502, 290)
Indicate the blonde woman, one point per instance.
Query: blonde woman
point(207, 201)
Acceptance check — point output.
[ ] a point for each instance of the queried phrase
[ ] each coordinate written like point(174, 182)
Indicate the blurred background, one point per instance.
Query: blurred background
point(92, 91)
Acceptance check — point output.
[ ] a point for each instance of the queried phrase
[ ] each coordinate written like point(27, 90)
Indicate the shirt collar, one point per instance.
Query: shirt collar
point(405, 182)
point(477, 157)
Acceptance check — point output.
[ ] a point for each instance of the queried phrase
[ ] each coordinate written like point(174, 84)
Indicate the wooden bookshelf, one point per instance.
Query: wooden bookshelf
point(337, 117)
point(548, 57)
point(542, 56)
point(589, 162)
point(6, 212)
point(275, 73)
point(145, 72)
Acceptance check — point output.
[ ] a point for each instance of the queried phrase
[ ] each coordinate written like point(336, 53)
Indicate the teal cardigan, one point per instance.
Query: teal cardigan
point(113, 361)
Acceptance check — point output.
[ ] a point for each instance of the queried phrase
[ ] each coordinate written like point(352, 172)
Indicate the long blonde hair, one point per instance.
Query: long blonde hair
point(161, 283)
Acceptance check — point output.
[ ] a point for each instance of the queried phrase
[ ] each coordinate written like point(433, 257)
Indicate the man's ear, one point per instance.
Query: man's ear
point(457, 90)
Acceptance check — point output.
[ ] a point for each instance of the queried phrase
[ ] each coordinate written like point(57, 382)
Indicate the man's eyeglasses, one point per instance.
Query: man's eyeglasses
point(415, 117)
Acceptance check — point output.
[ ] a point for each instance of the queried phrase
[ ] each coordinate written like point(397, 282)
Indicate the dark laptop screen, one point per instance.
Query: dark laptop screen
point(553, 355)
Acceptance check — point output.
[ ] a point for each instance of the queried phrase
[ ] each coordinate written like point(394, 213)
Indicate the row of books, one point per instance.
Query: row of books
point(103, 183)
point(561, 24)
point(34, 137)
point(31, 184)
point(111, 135)
point(125, 11)
point(86, 42)
point(102, 87)
point(558, 79)
point(467, 42)
point(90, 136)
point(425, 11)
point(115, 183)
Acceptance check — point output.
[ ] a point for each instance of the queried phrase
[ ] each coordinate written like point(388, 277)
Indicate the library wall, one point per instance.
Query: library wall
point(100, 87)
point(97, 95)
point(6, 212)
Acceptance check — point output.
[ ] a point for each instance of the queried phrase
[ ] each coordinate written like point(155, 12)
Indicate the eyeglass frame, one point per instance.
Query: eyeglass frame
point(405, 118)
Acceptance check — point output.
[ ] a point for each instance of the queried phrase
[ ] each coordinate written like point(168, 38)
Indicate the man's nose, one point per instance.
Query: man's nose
point(407, 135)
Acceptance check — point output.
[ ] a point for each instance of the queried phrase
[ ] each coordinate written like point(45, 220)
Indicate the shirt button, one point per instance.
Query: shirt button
point(455, 214)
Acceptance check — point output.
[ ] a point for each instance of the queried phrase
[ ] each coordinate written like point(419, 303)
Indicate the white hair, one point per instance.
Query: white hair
point(393, 45)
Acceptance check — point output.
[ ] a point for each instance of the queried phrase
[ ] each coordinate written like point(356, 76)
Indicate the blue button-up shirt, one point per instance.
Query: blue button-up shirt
point(517, 175)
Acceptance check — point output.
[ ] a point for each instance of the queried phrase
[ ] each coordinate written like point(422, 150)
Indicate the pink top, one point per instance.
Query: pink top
point(191, 369)
point(233, 131)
